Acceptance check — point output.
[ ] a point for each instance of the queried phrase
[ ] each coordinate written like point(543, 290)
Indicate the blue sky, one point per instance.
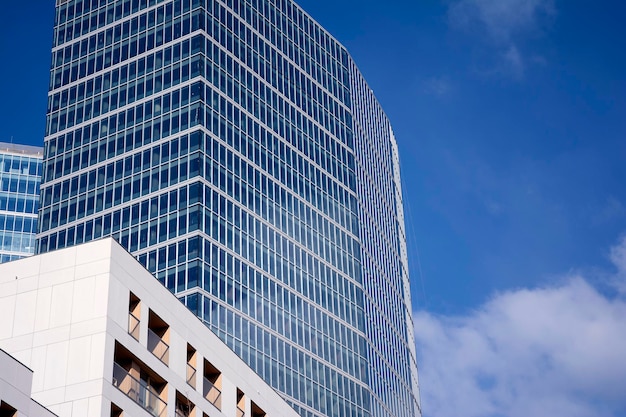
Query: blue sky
point(511, 121)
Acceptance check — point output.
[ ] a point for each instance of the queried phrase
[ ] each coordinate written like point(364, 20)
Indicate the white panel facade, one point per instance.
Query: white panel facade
point(66, 315)
point(15, 389)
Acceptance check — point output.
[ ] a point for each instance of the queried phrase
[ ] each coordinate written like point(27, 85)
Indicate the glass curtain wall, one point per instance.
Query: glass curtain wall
point(20, 177)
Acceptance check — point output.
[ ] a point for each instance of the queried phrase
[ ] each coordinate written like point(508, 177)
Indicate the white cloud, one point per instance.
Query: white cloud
point(618, 257)
point(610, 210)
point(437, 86)
point(502, 20)
point(513, 62)
point(558, 351)
point(506, 23)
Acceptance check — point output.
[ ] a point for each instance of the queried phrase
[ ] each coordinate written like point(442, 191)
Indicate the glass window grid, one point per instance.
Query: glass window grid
point(155, 126)
point(77, 19)
point(19, 179)
point(133, 222)
point(74, 67)
point(333, 152)
point(8, 258)
point(19, 184)
point(16, 244)
point(242, 158)
point(243, 80)
point(391, 360)
point(259, 156)
point(105, 93)
point(279, 255)
point(19, 204)
point(148, 156)
point(296, 320)
point(117, 183)
point(294, 218)
point(20, 165)
point(262, 49)
point(18, 223)
point(246, 45)
point(339, 194)
point(123, 30)
point(300, 374)
point(327, 68)
point(114, 97)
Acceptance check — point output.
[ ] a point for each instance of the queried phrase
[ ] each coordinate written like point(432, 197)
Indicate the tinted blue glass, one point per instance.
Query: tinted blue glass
point(20, 177)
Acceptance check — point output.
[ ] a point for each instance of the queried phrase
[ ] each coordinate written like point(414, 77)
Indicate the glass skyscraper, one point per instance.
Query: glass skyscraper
point(234, 148)
point(20, 176)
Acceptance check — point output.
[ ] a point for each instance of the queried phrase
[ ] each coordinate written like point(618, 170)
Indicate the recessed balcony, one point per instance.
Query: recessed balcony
point(134, 312)
point(191, 375)
point(191, 365)
point(212, 385)
point(138, 390)
point(158, 347)
point(241, 403)
point(133, 326)
point(158, 337)
point(212, 394)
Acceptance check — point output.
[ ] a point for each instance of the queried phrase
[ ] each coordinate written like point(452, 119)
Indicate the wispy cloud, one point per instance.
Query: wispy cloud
point(545, 352)
point(513, 62)
point(437, 86)
point(502, 20)
point(610, 210)
point(618, 257)
point(505, 24)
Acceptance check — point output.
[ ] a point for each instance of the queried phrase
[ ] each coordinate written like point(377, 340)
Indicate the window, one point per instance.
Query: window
point(140, 383)
point(241, 403)
point(134, 314)
point(158, 337)
point(6, 410)
point(191, 365)
point(116, 411)
point(212, 384)
point(184, 407)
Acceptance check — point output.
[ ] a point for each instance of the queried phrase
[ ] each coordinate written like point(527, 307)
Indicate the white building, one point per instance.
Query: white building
point(104, 338)
point(15, 390)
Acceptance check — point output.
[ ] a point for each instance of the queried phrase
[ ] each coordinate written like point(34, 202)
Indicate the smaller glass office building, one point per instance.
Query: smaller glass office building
point(20, 177)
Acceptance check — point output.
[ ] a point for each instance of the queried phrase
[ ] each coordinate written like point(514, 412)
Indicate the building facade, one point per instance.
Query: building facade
point(20, 177)
point(103, 338)
point(15, 390)
point(234, 148)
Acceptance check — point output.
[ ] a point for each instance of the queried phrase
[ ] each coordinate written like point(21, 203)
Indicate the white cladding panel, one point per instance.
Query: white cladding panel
point(66, 310)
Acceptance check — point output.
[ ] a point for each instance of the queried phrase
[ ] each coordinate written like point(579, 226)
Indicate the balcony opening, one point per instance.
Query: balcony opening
point(116, 411)
point(6, 410)
point(140, 383)
point(134, 313)
point(158, 337)
point(184, 407)
point(212, 384)
point(241, 403)
point(191, 365)
point(257, 411)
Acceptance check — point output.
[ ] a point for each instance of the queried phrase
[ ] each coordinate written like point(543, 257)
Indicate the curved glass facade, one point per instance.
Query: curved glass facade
point(20, 177)
point(234, 148)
